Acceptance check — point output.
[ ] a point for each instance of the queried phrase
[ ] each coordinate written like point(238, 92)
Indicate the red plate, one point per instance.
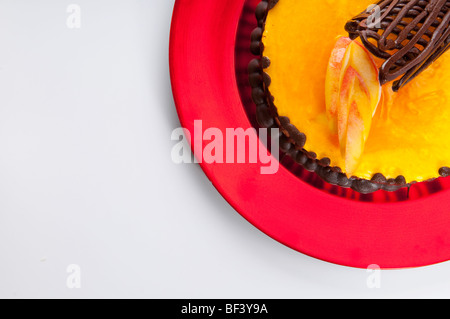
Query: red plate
point(208, 55)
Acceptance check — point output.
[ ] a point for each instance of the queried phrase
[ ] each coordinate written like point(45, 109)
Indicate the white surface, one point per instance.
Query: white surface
point(86, 176)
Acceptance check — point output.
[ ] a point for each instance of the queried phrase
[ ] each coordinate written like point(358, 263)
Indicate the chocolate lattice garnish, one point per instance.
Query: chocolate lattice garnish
point(408, 34)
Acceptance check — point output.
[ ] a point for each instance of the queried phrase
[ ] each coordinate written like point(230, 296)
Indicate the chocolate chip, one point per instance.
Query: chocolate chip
point(379, 178)
point(337, 169)
point(261, 10)
point(444, 171)
point(325, 161)
point(285, 144)
point(258, 95)
point(254, 66)
point(272, 3)
point(391, 185)
point(311, 165)
point(284, 121)
point(301, 158)
point(256, 47)
point(255, 80)
point(264, 116)
point(256, 34)
point(293, 152)
point(364, 186)
point(265, 62)
point(298, 137)
point(328, 175)
point(400, 180)
point(343, 180)
point(267, 80)
point(312, 155)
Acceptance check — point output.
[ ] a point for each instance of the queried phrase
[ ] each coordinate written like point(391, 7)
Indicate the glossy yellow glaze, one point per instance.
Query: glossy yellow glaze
point(410, 134)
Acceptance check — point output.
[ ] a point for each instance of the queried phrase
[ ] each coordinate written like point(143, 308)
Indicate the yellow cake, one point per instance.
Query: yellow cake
point(407, 139)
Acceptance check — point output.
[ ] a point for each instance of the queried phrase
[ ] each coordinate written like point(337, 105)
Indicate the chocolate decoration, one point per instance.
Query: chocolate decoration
point(408, 34)
point(292, 141)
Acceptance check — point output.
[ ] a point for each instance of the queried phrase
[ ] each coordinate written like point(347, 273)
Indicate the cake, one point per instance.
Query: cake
point(360, 91)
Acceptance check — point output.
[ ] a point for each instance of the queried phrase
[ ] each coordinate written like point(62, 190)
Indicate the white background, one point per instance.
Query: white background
point(86, 175)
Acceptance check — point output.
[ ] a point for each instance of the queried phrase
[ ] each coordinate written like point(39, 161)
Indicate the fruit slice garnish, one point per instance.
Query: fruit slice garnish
point(334, 79)
point(353, 92)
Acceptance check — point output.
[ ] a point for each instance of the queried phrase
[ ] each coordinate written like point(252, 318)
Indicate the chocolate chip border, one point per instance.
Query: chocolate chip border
point(292, 141)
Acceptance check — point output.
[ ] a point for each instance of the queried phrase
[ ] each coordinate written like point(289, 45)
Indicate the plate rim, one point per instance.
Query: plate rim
point(391, 235)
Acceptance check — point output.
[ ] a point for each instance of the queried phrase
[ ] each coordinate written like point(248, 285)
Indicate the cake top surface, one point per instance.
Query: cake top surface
point(409, 132)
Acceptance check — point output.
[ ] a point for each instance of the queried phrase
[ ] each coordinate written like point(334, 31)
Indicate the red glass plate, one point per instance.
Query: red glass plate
point(208, 58)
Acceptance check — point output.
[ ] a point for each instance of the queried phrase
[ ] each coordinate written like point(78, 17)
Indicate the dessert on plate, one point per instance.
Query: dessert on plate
point(360, 90)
